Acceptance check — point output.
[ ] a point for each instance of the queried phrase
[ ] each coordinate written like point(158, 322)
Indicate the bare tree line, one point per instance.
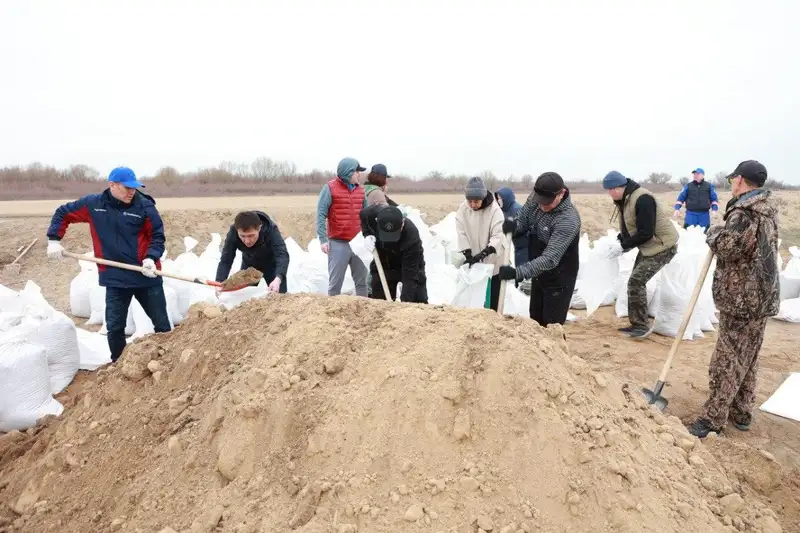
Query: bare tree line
point(266, 176)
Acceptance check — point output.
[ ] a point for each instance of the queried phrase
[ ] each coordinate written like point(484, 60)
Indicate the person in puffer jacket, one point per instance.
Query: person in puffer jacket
point(508, 203)
point(479, 225)
point(126, 228)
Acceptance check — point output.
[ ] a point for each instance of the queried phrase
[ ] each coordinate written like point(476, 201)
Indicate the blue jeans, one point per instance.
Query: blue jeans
point(118, 300)
point(697, 218)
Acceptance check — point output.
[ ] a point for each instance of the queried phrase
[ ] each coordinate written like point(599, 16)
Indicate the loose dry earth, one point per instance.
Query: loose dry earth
point(302, 411)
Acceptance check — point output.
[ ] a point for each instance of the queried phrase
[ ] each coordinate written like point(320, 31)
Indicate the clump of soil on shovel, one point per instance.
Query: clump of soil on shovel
point(243, 278)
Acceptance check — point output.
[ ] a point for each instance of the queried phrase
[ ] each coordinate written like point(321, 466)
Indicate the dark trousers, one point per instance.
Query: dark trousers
point(118, 300)
point(550, 304)
point(376, 288)
point(494, 292)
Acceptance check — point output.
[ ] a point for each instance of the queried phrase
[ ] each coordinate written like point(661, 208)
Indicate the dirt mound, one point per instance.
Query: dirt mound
point(344, 414)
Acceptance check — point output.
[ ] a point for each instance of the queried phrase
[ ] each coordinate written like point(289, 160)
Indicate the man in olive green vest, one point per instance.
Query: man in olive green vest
point(646, 225)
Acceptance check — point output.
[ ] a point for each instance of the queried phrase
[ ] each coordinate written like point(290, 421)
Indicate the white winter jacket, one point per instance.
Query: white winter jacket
point(479, 229)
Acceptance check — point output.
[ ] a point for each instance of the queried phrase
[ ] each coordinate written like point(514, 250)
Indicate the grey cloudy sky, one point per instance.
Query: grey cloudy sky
point(461, 86)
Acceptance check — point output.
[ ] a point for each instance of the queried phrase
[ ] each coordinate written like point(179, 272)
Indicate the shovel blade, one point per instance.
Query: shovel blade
point(655, 399)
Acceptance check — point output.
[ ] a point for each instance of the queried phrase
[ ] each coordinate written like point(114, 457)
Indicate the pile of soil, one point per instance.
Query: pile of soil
point(345, 414)
point(6, 258)
point(243, 278)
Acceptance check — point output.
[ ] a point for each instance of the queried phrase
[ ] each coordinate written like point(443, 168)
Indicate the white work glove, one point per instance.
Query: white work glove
point(615, 251)
point(369, 243)
point(55, 250)
point(149, 267)
point(459, 259)
point(274, 285)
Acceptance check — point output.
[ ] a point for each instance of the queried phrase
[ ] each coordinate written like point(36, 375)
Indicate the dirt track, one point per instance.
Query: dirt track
point(594, 340)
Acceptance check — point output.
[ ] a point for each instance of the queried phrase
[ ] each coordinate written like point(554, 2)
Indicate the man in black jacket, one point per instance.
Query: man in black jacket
point(400, 251)
point(262, 247)
point(554, 225)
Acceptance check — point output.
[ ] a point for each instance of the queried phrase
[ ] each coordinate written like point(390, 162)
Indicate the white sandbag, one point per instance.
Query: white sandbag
point(441, 284)
point(307, 273)
point(94, 350)
point(789, 311)
point(584, 253)
point(80, 289)
point(231, 299)
point(28, 302)
point(471, 285)
point(97, 303)
point(678, 280)
point(516, 302)
point(790, 277)
point(173, 311)
point(597, 280)
point(5, 292)
point(24, 383)
point(58, 336)
point(209, 259)
point(785, 401)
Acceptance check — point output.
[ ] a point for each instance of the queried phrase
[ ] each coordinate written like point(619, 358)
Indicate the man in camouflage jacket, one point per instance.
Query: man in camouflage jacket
point(746, 294)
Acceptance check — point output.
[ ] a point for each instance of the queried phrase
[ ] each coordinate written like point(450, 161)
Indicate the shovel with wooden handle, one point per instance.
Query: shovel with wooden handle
point(136, 268)
point(654, 396)
point(382, 275)
point(506, 260)
point(14, 265)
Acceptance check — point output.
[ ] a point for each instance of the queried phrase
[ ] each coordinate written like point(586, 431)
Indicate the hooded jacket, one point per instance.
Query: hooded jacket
point(339, 205)
point(126, 233)
point(403, 260)
point(268, 255)
point(746, 279)
point(480, 228)
point(511, 209)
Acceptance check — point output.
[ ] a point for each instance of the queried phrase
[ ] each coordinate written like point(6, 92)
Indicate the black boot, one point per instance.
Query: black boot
point(702, 427)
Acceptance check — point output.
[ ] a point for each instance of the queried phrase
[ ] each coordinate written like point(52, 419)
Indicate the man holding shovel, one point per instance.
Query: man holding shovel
point(400, 252)
point(746, 292)
point(555, 226)
point(125, 227)
point(262, 246)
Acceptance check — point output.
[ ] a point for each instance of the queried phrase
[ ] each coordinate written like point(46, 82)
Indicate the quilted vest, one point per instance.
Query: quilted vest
point(666, 236)
point(344, 222)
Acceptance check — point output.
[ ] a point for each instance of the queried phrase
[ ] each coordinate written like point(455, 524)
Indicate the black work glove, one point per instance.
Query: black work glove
point(509, 226)
point(507, 272)
point(486, 252)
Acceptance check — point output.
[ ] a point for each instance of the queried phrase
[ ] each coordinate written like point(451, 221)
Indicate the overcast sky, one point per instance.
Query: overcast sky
point(462, 86)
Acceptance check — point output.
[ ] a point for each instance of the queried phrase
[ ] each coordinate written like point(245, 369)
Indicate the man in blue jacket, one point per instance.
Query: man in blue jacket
point(698, 196)
point(125, 227)
point(511, 208)
point(262, 247)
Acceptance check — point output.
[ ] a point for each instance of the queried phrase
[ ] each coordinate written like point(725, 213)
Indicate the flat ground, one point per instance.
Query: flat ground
point(595, 339)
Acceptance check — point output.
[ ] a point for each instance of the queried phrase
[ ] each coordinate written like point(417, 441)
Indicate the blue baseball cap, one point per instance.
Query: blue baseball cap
point(380, 169)
point(124, 176)
point(698, 170)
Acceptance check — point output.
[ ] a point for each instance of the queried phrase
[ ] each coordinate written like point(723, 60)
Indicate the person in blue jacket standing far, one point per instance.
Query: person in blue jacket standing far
point(508, 203)
point(125, 227)
point(698, 196)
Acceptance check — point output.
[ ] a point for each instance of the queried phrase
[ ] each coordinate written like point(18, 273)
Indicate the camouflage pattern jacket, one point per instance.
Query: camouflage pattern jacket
point(746, 279)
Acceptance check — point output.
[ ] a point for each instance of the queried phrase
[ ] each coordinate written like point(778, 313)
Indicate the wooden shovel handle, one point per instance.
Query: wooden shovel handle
point(135, 268)
point(687, 316)
point(506, 260)
point(25, 251)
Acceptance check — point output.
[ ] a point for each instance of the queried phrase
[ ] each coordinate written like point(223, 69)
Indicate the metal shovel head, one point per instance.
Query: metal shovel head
point(655, 399)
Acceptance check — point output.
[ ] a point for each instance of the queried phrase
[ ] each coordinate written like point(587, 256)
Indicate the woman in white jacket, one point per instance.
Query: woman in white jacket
point(479, 224)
